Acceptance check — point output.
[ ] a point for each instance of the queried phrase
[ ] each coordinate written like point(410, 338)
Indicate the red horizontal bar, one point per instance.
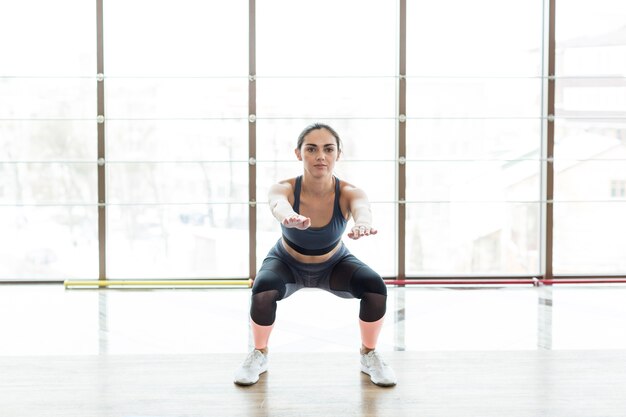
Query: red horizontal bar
point(502, 282)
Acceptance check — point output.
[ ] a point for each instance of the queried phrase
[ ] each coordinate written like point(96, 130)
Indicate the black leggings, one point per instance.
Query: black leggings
point(347, 278)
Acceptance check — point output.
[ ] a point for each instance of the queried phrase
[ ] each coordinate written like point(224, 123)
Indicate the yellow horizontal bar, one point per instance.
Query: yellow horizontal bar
point(157, 283)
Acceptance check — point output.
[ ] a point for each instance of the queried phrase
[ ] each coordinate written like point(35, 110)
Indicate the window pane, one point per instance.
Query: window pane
point(183, 101)
point(595, 48)
point(176, 98)
point(200, 235)
point(326, 38)
point(130, 183)
point(48, 72)
point(501, 38)
point(326, 98)
point(483, 166)
point(473, 238)
point(587, 97)
point(490, 98)
point(478, 181)
point(44, 38)
point(590, 135)
point(591, 180)
point(177, 241)
point(590, 194)
point(46, 183)
point(473, 137)
point(439, 139)
point(32, 98)
point(47, 140)
point(48, 243)
point(177, 140)
point(589, 238)
point(165, 38)
point(599, 92)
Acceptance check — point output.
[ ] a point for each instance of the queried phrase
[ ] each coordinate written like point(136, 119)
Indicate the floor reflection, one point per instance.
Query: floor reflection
point(93, 322)
point(544, 317)
point(103, 328)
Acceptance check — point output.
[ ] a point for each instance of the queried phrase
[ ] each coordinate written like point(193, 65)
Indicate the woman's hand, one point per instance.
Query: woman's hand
point(361, 230)
point(297, 221)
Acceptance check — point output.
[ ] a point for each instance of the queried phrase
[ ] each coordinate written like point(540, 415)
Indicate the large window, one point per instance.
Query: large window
point(311, 67)
point(48, 214)
point(474, 93)
point(204, 100)
point(590, 138)
point(176, 138)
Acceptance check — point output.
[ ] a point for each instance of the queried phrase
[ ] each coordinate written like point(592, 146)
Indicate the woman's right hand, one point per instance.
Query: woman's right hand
point(297, 221)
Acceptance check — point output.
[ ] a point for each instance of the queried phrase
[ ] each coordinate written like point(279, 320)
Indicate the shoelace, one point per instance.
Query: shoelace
point(251, 357)
point(376, 360)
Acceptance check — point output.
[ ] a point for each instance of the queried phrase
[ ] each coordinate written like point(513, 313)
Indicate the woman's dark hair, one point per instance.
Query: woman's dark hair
point(316, 126)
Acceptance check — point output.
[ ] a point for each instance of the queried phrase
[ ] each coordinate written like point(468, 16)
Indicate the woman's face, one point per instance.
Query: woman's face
point(319, 153)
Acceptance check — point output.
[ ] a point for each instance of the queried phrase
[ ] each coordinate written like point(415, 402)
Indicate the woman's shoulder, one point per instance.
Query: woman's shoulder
point(284, 186)
point(289, 182)
point(346, 186)
point(350, 191)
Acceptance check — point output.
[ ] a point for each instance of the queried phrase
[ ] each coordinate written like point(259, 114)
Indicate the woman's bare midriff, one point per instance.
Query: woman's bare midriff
point(310, 259)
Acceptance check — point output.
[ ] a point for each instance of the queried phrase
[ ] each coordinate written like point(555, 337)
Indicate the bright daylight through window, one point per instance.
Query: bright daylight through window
point(177, 133)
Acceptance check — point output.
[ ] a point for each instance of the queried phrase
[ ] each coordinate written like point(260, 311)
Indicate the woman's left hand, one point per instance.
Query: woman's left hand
point(361, 230)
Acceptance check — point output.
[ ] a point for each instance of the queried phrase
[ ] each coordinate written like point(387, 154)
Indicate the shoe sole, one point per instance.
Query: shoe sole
point(247, 384)
point(380, 384)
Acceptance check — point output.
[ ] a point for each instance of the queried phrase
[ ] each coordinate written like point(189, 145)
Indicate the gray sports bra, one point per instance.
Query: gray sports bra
point(316, 240)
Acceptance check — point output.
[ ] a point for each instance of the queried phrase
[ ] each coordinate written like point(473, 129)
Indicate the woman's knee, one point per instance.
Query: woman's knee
point(269, 287)
point(366, 280)
point(272, 277)
point(263, 307)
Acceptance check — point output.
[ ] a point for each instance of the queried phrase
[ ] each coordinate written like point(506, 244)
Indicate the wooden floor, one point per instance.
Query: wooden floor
point(534, 383)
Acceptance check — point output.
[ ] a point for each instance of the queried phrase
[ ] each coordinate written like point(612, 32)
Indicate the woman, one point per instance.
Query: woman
point(313, 210)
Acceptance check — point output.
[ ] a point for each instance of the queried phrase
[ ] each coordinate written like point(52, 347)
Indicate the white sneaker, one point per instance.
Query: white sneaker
point(249, 371)
point(380, 373)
